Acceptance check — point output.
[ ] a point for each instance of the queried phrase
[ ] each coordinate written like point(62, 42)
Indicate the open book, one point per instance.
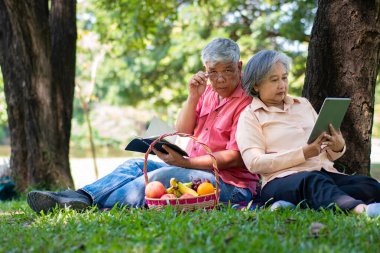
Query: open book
point(332, 111)
point(156, 128)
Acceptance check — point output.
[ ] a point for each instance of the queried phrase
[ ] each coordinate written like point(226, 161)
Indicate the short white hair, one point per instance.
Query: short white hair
point(221, 50)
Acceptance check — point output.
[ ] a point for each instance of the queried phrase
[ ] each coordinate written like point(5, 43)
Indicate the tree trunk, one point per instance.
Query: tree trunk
point(343, 61)
point(37, 56)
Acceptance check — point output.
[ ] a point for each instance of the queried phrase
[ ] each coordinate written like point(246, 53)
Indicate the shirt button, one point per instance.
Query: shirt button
point(206, 129)
point(195, 148)
point(216, 110)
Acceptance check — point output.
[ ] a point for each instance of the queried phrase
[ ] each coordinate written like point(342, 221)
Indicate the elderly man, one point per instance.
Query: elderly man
point(210, 113)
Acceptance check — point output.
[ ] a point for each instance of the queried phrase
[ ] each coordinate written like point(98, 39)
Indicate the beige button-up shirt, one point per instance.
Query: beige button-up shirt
point(271, 139)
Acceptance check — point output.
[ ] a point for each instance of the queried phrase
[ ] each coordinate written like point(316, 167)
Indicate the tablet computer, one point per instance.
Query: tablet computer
point(332, 111)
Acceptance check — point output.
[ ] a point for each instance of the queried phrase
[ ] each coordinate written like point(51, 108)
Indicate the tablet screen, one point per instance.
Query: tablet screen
point(332, 111)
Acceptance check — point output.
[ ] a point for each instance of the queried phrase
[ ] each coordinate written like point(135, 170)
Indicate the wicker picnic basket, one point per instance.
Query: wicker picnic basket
point(208, 201)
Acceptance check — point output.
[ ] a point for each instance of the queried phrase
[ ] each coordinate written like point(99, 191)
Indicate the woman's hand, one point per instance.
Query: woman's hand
point(335, 141)
point(172, 157)
point(314, 148)
point(197, 85)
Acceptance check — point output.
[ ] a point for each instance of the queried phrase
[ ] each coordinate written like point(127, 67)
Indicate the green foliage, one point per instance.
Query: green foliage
point(3, 105)
point(133, 53)
point(153, 49)
point(228, 230)
point(376, 123)
point(3, 111)
point(144, 52)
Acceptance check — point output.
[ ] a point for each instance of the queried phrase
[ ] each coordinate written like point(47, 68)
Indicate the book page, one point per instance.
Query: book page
point(157, 128)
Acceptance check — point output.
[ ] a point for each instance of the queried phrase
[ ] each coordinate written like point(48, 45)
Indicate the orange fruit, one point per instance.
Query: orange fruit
point(205, 188)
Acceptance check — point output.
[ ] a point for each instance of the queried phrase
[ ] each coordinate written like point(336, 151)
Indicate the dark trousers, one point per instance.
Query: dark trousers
point(317, 189)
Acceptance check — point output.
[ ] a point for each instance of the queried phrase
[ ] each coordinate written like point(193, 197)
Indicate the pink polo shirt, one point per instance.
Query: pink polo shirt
point(271, 139)
point(216, 126)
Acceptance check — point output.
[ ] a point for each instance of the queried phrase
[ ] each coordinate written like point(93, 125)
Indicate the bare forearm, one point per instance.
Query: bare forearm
point(187, 118)
point(225, 159)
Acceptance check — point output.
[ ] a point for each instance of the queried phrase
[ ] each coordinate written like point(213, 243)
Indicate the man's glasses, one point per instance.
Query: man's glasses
point(228, 73)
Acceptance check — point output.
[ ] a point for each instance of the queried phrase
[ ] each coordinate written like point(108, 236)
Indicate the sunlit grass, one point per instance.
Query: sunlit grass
point(226, 230)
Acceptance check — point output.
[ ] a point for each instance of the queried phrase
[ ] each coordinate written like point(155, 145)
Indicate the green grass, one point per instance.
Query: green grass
point(226, 230)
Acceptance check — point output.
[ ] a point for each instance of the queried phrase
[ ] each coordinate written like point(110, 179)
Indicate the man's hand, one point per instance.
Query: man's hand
point(197, 85)
point(172, 158)
point(335, 141)
point(187, 117)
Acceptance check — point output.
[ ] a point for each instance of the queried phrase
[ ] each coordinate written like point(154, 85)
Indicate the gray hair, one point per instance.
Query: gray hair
point(221, 50)
point(259, 66)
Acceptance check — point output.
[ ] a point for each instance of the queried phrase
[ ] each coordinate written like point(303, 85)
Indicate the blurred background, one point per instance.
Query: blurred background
point(134, 60)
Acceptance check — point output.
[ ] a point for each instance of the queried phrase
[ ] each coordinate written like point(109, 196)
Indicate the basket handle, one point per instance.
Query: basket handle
point(205, 147)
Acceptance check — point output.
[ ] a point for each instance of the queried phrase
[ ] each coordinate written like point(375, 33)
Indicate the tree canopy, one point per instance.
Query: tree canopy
point(142, 53)
point(151, 49)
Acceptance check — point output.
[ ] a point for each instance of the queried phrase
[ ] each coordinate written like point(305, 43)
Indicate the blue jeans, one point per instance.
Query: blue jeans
point(126, 184)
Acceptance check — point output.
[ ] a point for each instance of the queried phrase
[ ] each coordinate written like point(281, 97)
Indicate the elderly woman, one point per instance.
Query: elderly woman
point(272, 136)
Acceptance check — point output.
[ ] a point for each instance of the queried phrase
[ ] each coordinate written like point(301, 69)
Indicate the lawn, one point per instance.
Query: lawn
point(224, 230)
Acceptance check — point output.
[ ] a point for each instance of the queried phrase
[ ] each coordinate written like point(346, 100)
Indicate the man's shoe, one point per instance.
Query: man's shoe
point(46, 201)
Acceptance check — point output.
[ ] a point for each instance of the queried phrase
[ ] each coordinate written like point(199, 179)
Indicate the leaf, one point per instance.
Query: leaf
point(290, 220)
point(228, 239)
point(317, 229)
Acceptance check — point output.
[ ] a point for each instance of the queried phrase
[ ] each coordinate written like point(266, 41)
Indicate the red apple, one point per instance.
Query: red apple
point(154, 189)
point(168, 196)
point(186, 195)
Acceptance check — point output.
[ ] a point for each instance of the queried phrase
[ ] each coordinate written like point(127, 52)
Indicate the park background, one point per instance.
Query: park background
point(133, 61)
point(123, 80)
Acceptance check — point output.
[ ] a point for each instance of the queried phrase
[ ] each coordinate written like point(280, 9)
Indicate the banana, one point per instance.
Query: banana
point(173, 189)
point(177, 193)
point(178, 188)
point(188, 184)
point(174, 182)
point(184, 189)
point(170, 190)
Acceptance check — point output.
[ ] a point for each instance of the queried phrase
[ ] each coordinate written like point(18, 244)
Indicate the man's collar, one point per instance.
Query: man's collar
point(238, 92)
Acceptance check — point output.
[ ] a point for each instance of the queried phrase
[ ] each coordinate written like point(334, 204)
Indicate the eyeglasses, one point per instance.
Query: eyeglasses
point(228, 73)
